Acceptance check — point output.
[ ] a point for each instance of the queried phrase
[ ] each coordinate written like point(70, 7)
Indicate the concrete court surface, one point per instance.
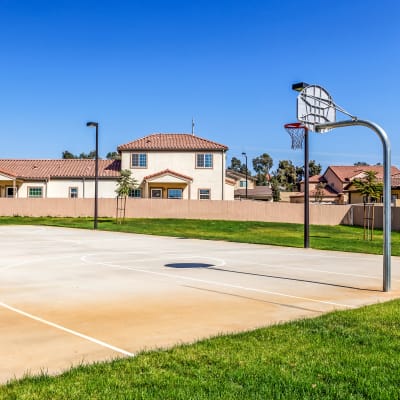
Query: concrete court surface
point(71, 296)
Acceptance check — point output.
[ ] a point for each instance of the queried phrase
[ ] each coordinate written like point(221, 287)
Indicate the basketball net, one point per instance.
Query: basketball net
point(297, 134)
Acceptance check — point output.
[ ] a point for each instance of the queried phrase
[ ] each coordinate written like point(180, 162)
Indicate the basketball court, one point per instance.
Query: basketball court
point(72, 296)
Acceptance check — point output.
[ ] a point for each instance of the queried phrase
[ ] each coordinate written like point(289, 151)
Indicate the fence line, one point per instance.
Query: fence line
point(196, 209)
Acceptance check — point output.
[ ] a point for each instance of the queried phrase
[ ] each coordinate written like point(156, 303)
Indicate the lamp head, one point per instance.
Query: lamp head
point(298, 87)
point(92, 124)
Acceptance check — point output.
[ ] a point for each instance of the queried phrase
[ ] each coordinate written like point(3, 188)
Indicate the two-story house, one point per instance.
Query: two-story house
point(177, 166)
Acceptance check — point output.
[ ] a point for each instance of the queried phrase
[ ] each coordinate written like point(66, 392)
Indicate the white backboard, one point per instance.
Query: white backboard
point(315, 106)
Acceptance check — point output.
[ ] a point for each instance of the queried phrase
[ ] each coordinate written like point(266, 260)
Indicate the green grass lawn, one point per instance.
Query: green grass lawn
point(351, 354)
point(340, 238)
point(342, 355)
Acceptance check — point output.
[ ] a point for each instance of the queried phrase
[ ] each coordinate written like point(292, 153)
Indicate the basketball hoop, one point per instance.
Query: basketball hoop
point(297, 132)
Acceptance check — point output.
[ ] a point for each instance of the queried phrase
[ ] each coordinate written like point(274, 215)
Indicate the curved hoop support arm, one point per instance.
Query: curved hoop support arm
point(387, 219)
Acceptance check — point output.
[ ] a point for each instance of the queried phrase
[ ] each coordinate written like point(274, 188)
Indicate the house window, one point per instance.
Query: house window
point(139, 160)
point(156, 193)
point(204, 160)
point(73, 192)
point(10, 192)
point(175, 193)
point(135, 193)
point(35, 192)
point(204, 194)
point(243, 184)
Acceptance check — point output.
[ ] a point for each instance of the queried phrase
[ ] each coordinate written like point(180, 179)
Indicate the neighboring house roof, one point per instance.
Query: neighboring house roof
point(167, 172)
point(348, 173)
point(230, 181)
point(68, 168)
point(172, 141)
point(238, 175)
point(257, 193)
point(326, 191)
point(315, 179)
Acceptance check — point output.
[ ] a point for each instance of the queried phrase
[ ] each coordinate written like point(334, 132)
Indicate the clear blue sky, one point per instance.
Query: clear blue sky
point(139, 67)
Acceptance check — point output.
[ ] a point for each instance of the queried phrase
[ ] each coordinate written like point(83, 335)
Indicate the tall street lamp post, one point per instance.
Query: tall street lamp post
point(247, 184)
point(96, 173)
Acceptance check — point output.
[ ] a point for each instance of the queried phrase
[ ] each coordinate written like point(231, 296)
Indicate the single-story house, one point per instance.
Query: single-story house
point(73, 178)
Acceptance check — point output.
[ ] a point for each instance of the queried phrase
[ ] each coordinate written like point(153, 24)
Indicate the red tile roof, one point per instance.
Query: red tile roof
point(347, 173)
point(7, 173)
point(69, 168)
point(172, 141)
point(168, 172)
point(327, 191)
point(315, 178)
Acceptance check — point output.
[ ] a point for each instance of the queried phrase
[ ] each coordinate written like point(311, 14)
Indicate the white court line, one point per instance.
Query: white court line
point(313, 270)
point(222, 263)
point(175, 277)
point(316, 253)
point(62, 328)
point(39, 260)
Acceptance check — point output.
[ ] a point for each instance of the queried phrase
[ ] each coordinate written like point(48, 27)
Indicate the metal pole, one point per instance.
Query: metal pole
point(386, 189)
point(247, 184)
point(96, 180)
point(306, 193)
point(96, 172)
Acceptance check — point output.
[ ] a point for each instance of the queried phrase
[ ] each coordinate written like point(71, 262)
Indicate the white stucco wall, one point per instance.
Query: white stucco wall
point(59, 188)
point(229, 192)
point(185, 163)
point(23, 189)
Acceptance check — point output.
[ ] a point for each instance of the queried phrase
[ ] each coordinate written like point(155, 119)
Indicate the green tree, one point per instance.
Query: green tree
point(238, 166)
point(276, 190)
point(91, 155)
point(360, 163)
point(369, 186)
point(262, 165)
point(113, 155)
point(313, 169)
point(235, 164)
point(67, 155)
point(125, 183)
point(319, 192)
point(286, 175)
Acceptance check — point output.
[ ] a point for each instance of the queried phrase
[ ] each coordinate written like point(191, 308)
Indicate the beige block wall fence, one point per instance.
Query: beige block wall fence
point(320, 214)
